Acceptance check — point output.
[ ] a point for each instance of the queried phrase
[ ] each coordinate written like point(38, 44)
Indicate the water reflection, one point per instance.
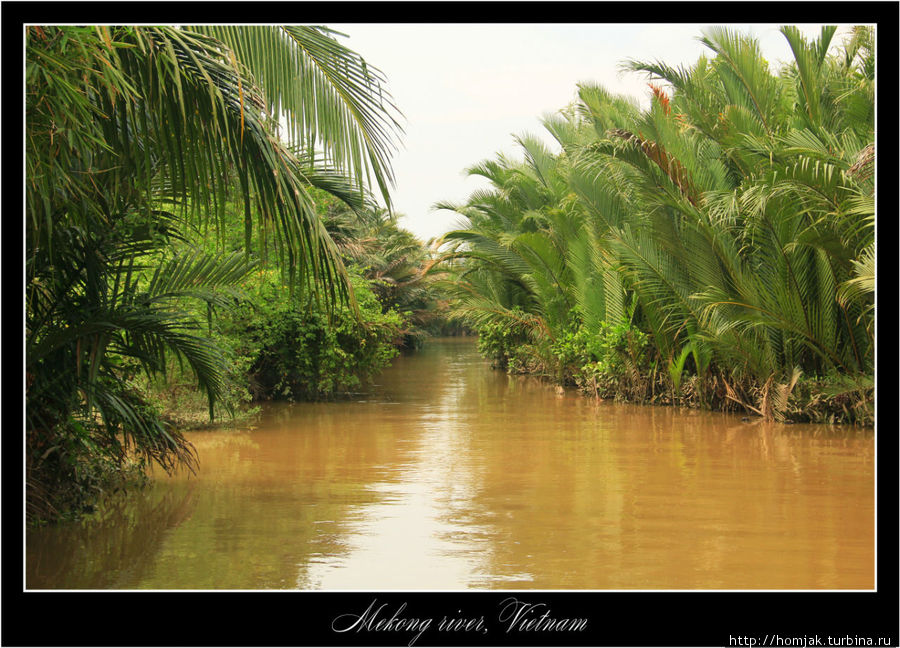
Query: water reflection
point(113, 549)
point(420, 534)
point(447, 475)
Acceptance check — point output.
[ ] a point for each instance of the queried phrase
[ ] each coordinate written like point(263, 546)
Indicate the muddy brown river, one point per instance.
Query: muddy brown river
point(447, 475)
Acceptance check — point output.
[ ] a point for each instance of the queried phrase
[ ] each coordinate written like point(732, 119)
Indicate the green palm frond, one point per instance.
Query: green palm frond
point(186, 111)
point(809, 59)
point(861, 287)
point(332, 100)
point(744, 74)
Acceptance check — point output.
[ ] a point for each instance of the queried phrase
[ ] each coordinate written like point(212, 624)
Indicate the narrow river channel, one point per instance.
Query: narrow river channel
point(447, 475)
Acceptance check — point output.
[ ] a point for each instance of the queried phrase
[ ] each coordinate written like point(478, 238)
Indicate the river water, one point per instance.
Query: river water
point(447, 475)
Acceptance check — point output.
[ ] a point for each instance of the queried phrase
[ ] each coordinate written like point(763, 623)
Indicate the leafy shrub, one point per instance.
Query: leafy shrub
point(572, 350)
point(614, 363)
point(500, 343)
point(296, 351)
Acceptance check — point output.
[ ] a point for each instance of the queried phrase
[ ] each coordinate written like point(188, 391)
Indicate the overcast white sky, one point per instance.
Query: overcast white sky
point(466, 89)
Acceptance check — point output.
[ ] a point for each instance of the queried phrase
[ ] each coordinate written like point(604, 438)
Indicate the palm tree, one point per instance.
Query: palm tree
point(769, 191)
point(733, 220)
point(135, 137)
point(536, 262)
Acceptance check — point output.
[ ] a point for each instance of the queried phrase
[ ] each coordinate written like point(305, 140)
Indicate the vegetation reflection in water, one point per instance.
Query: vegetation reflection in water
point(448, 475)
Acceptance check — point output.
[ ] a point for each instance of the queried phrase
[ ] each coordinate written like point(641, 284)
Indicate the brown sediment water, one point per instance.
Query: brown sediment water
point(447, 475)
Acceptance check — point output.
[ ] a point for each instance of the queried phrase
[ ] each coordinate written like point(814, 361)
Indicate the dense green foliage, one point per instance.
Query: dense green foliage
point(304, 355)
point(138, 139)
point(715, 249)
point(291, 349)
point(283, 346)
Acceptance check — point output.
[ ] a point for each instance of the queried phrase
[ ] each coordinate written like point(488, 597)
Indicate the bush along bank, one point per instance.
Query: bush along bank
point(283, 346)
point(622, 364)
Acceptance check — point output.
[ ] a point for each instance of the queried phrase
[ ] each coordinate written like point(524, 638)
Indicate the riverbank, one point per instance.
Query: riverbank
point(623, 367)
point(832, 401)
